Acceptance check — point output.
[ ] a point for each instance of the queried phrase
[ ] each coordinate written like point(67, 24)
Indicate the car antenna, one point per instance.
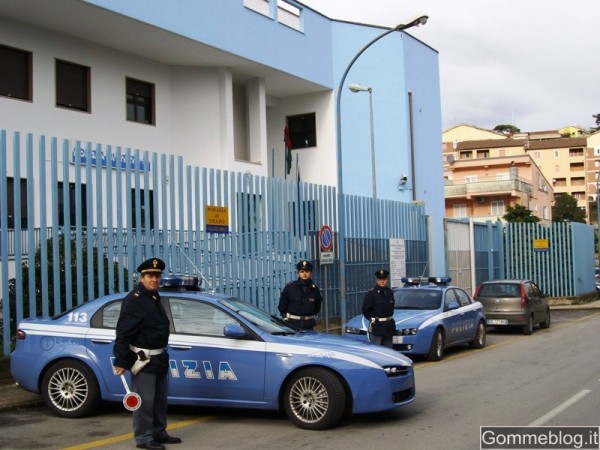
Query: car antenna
point(198, 271)
point(423, 274)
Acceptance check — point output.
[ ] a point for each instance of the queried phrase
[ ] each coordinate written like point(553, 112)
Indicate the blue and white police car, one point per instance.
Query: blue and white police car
point(430, 315)
point(223, 352)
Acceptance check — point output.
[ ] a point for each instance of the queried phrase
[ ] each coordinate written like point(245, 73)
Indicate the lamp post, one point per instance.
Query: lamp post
point(354, 87)
point(422, 20)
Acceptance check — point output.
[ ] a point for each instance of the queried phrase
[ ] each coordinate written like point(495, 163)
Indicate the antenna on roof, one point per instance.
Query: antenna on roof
point(200, 274)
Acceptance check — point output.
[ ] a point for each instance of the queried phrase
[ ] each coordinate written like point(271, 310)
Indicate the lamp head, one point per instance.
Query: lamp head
point(355, 87)
point(421, 20)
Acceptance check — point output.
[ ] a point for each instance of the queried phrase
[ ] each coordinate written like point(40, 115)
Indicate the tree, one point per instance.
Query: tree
point(566, 209)
point(507, 129)
point(519, 214)
point(597, 119)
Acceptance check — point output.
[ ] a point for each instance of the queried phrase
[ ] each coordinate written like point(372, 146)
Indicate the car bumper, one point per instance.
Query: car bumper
point(506, 319)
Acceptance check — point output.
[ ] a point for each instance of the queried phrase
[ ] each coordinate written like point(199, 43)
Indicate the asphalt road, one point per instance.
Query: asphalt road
point(549, 378)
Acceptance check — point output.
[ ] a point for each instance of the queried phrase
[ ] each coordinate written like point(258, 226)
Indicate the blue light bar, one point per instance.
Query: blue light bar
point(173, 280)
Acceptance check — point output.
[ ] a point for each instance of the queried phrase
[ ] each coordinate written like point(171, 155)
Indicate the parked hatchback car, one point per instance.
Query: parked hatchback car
point(431, 315)
point(223, 352)
point(514, 303)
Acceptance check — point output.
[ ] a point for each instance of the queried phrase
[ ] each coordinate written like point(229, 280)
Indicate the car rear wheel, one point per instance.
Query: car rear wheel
point(69, 389)
point(480, 336)
point(528, 328)
point(546, 322)
point(314, 399)
point(436, 351)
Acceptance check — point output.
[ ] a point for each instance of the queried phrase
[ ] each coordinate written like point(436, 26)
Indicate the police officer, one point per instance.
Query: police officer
point(301, 299)
point(140, 346)
point(378, 308)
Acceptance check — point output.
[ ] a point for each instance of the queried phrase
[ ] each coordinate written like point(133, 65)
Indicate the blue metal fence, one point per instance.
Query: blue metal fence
point(92, 212)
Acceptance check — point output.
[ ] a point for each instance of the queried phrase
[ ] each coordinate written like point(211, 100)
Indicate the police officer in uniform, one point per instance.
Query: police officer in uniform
point(378, 308)
point(301, 299)
point(140, 346)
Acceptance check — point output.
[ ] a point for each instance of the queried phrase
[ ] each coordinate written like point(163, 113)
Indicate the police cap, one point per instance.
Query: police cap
point(382, 274)
point(151, 265)
point(304, 265)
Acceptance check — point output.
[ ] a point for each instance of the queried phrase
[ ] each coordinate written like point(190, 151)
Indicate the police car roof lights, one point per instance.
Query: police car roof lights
point(178, 282)
point(418, 281)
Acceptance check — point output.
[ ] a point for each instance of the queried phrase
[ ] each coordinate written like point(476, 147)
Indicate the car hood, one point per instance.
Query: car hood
point(404, 318)
point(331, 346)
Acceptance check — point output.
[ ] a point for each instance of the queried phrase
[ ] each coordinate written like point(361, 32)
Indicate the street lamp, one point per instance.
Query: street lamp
point(422, 20)
point(354, 87)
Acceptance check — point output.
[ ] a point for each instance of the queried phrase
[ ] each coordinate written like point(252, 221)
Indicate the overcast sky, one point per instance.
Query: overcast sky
point(534, 64)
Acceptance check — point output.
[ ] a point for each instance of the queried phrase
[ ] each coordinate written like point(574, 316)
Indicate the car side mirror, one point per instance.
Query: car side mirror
point(452, 306)
point(234, 330)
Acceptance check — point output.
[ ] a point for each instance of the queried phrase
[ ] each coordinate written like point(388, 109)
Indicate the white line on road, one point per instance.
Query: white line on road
point(560, 408)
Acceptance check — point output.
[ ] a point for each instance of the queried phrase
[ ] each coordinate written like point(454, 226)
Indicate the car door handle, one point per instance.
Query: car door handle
point(180, 347)
point(102, 341)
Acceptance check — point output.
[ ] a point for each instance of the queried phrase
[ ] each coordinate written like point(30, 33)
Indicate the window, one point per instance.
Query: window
point(497, 208)
point(191, 317)
point(20, 205)
point(575, 152)
point(139, 205)
point(537, 155)
point(71, 209)
point(483, 154)
point(460, 210)
point(72, 86)
point(303, 130)
point(15, 76)
point(470, 178)
point(465, 155)
point(140, 101)
point(502, 176)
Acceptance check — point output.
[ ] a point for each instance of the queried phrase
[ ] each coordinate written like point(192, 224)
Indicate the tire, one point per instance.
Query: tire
point(314, 399)
point(480, 336)
point(547, 320)
point(436, 351)
point(69, 389)
point(528, 329)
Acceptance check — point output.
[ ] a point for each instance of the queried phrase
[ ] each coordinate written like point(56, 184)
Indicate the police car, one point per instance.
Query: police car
point(430, 315)
point(223, 352)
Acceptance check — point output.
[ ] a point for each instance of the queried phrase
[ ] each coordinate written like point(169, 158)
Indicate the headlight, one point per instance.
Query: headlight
point(352, 330)
point(395, 371)
point(406, 331)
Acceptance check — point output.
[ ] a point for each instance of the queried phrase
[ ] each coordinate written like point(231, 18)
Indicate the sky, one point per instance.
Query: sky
point(529, 63)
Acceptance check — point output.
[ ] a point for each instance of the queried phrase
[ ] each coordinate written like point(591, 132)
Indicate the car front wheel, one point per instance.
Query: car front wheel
point(480, 335)
point(546, 322)
point(314, 399)
point(69, 389)
point(436, 351)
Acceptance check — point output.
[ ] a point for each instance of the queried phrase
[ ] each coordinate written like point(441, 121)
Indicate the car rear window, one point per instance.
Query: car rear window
point(499, 290)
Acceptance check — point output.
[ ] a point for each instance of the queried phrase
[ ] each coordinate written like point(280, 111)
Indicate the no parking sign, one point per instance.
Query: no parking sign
point(326, 245)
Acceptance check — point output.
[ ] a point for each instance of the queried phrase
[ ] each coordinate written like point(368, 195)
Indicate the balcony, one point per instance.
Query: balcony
point(489, 186)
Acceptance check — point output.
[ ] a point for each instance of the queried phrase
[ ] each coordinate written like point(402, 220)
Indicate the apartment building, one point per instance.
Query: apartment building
point(564, 161)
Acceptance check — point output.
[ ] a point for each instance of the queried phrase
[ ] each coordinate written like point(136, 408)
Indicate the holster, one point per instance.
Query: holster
point(140, 363)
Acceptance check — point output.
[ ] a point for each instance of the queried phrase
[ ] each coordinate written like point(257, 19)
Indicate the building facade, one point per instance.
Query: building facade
point(218, 82)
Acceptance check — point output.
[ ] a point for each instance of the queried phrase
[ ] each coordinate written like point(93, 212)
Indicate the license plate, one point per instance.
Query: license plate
point(497, 322)
point(397, 339)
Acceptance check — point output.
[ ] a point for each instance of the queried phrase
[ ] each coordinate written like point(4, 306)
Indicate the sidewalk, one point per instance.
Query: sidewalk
point(14, 397)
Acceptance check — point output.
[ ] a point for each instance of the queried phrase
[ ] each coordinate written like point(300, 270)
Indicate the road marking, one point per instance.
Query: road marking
point(560, 408)
point(125, 437)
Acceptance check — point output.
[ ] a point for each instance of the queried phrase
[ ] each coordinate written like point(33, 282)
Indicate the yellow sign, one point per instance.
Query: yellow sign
point(540, 245)
point(217, 219)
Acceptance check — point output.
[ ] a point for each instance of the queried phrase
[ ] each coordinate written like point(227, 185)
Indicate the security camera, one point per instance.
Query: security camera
point(403, 180)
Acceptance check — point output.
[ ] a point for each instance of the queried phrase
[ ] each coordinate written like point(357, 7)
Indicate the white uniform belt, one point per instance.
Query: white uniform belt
point(291, 316)
point(381, 319)
point(147, 351)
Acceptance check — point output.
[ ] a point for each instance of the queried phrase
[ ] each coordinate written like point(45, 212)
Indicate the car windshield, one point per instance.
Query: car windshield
point(264, 321)
point(417, 299)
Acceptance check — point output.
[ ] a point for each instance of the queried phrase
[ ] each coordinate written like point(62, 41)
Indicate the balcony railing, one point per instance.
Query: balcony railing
point(453, 189)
